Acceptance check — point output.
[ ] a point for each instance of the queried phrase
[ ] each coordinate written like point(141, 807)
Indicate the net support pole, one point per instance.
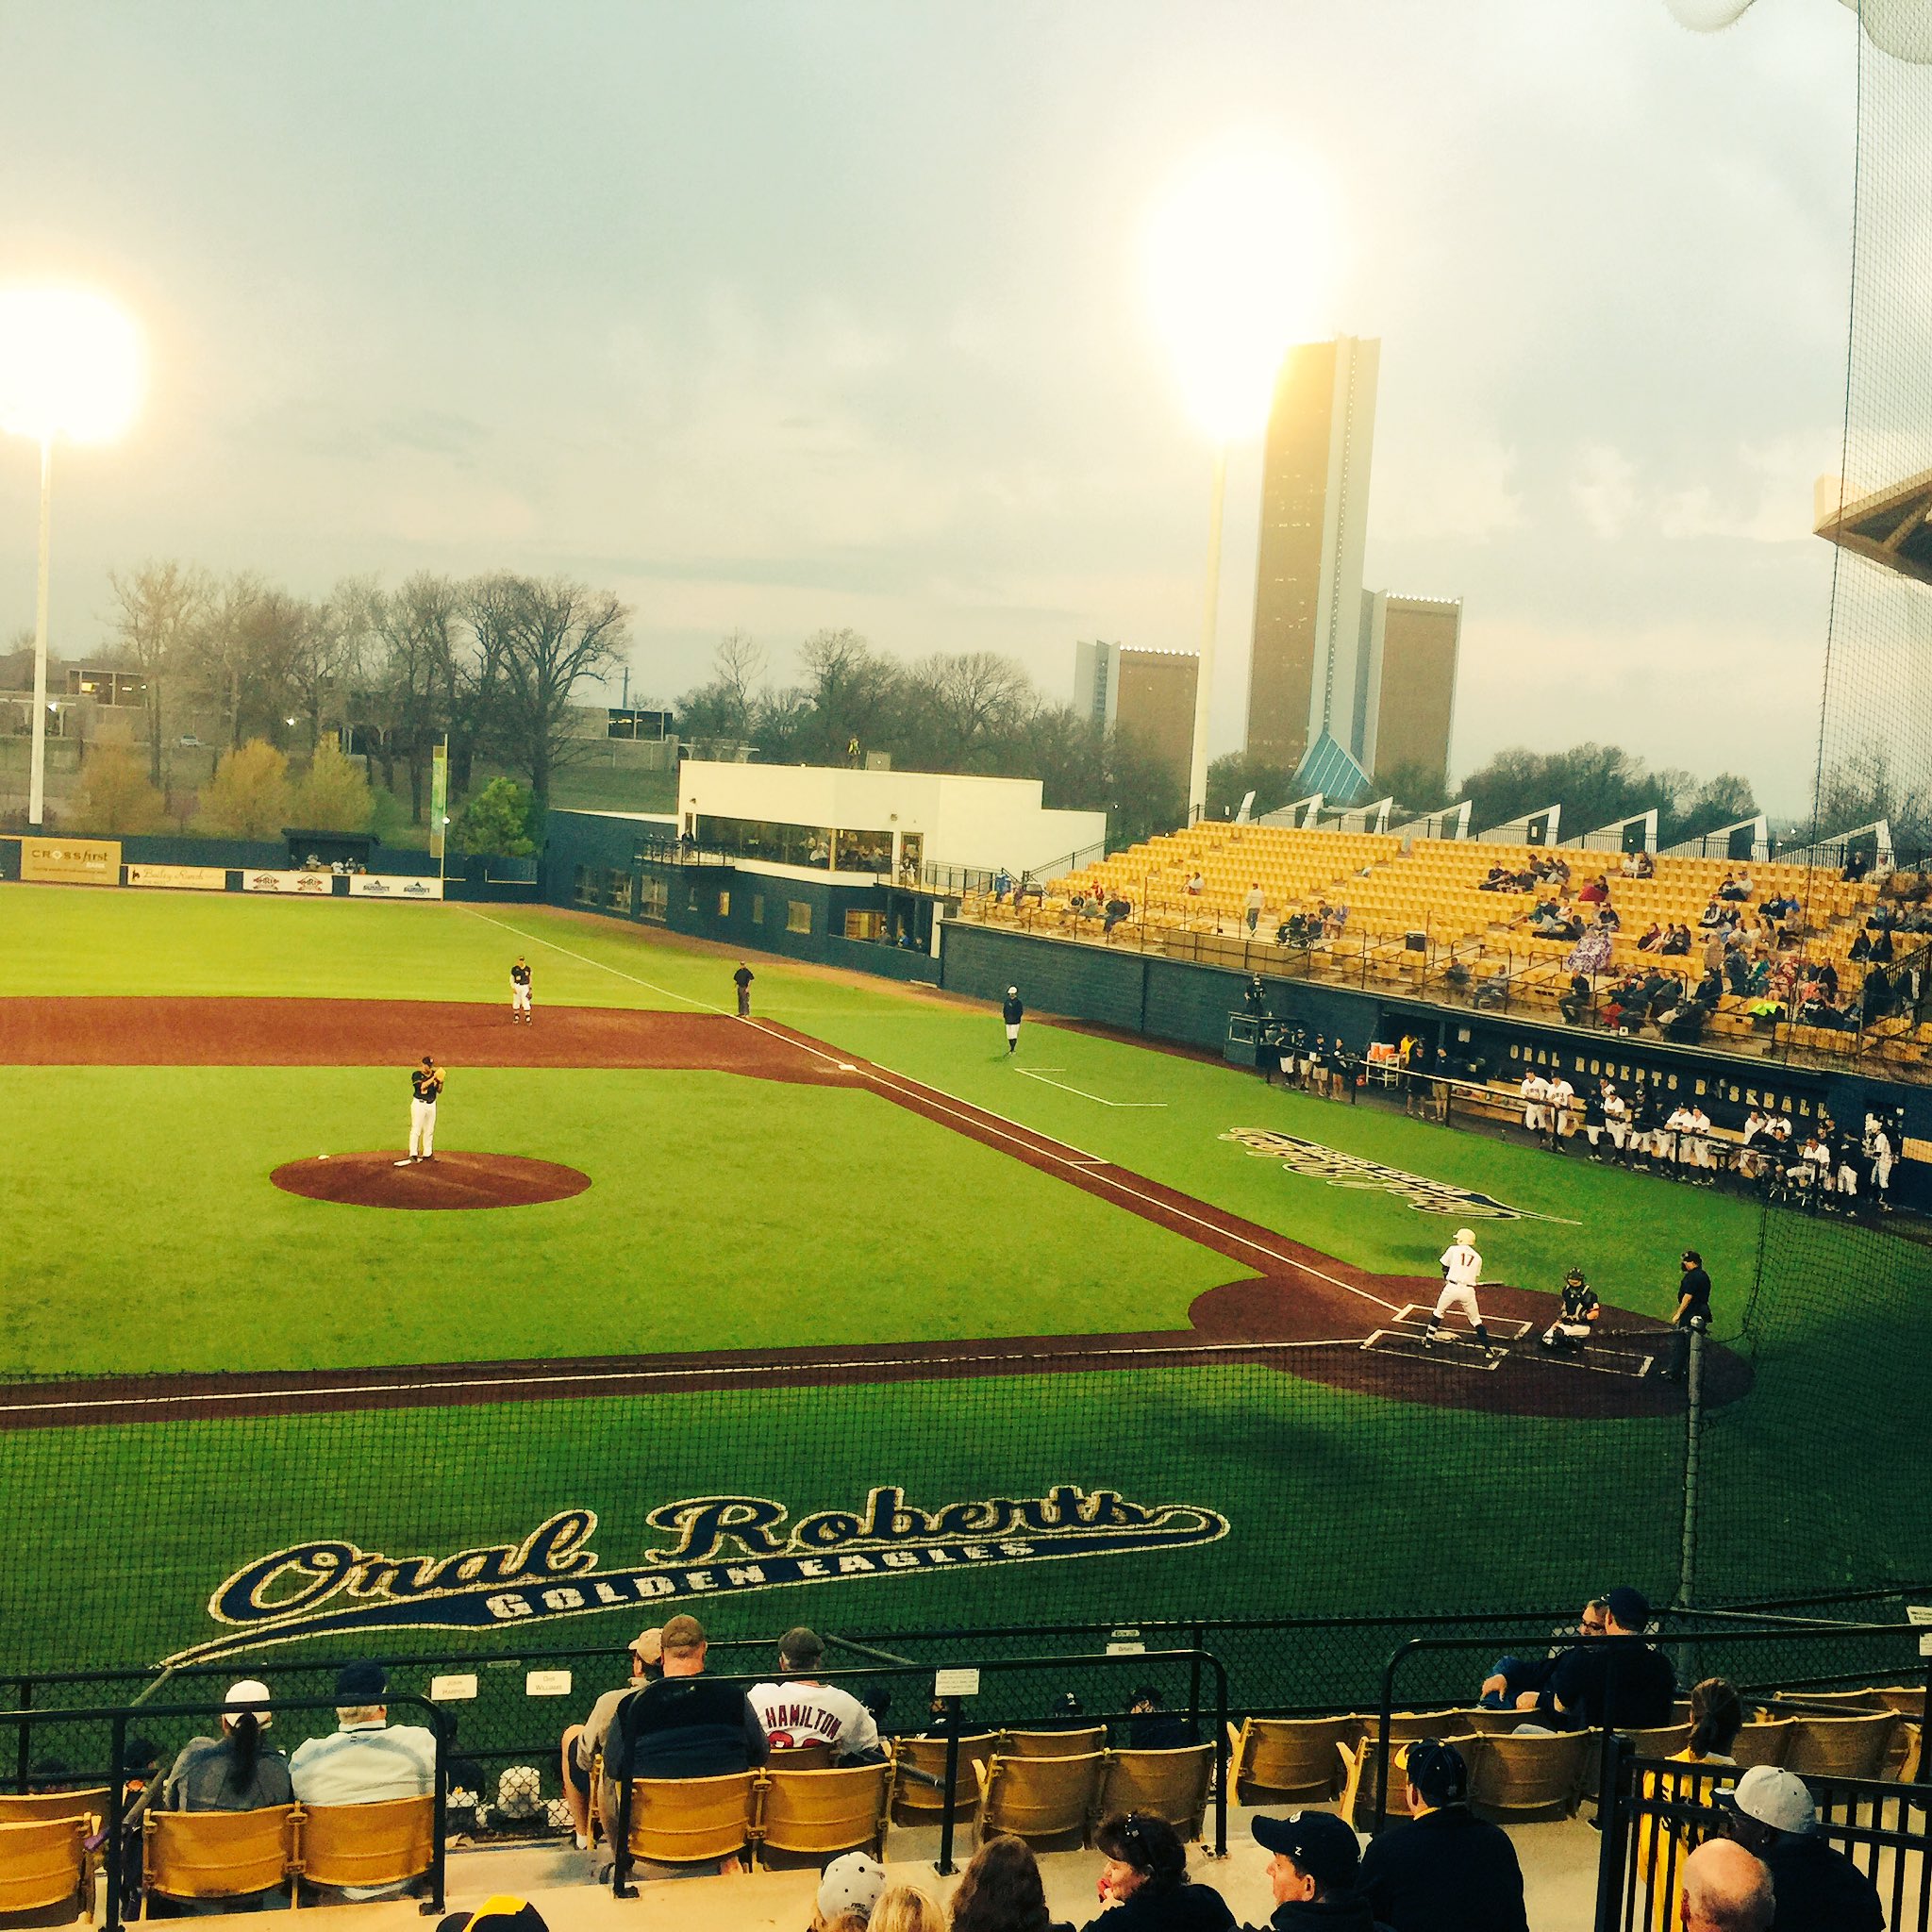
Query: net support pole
point(1693, 1435)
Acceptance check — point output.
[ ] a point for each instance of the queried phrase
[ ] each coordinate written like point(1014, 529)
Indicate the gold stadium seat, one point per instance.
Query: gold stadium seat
point(825, 1813)
point(1043, 1798)
point(37, 1807)
point(212, 1854)
point(1167, 1784)
point(388, 1842)
point(693, 1821)
point(1518, 1772)
point(1052, 1743)
point(1841, 1747)
point(1274, 1758)
point(1357, 1801)
point(801, 1757)
point(44, 1864)
point(1764, 1743)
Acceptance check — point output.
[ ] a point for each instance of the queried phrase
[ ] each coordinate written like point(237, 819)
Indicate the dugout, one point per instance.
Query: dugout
point(332, 848)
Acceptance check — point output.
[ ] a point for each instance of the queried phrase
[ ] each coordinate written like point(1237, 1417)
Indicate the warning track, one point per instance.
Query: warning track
point(1293, 1308)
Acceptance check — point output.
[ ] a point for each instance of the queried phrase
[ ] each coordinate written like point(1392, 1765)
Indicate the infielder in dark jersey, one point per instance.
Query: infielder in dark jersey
point(520, 991)
point(1581, 1310)
point(426, 1088)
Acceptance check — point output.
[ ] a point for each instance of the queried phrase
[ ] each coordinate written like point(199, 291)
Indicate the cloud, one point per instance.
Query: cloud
point(1458, 489)
point(1605, 490)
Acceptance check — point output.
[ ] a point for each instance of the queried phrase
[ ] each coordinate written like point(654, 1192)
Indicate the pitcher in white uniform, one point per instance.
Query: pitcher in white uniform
point(1462, 1268)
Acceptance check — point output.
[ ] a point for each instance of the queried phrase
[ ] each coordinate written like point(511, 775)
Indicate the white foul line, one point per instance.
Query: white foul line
point(1033, 1074)
point(1055, 1150)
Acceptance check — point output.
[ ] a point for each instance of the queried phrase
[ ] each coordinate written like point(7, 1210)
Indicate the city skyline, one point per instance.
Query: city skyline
point(764, 333)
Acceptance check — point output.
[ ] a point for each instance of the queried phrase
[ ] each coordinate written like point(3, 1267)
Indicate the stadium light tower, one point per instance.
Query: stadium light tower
point(1237, 259)
point(71, 365)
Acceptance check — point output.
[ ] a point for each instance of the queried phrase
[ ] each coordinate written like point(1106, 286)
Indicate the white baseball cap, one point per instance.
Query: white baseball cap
point(1777, 1798)
point(1465, 1234)
point(850, 1884)
point(249, 1694)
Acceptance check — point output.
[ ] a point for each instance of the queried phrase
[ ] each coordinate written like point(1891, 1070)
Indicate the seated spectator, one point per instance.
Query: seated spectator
point(1334, 919)
point(1196, 885)
point(801, 1710)
point(1313, 1872)
point(366, 1760)
point(1651, 938)
point(1626, 1683)
point(236, 1771)
point(1676, 941)
point(1445, 1869)
point(1737, 972)
point(1510, 1675)
point(1821, 1009)
point(1713, 914)
point(1881, 949)
point(1596, 891)
point(1817, 1888)
point(1144, 1885)
point(1711, 988)
point(1151, 1726)
point(1559, 870)
point(1497, 879)
point(686, 1725)
point(1118, 908)
point(1638, 865)
point(1607, 918)
point(1723, 1888)
point(1000, 1891)
point(1574, 1005)
point(850, 1890)
point(1877, 997)
point(1856, 866)
point(582, 1742)
point(907, 1908)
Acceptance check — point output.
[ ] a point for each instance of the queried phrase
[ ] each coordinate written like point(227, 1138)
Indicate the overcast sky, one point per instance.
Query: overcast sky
point(789, 315)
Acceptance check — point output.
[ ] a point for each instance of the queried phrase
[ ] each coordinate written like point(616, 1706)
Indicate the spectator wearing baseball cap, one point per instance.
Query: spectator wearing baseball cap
point(687, 1724)
point(366, 1760)
point(236, 1771)
point(502, 1913)
point(800, 1710)
point(1445, 1868)
point(582, 1742)
point(1144, 1885)
point(1818, 1889)
point(1625, 1683)
point(1316, 1860)
point(849, 1888)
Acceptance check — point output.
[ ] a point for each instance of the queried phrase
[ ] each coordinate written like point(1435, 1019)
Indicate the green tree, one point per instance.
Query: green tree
point(1235, 774)
point(248, 796)
point(497, 819)
point(116, 799)
point(333, 796)
point(1414, 786)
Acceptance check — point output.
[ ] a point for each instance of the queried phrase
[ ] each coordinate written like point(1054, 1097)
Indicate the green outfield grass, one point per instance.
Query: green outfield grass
point(143, 1234)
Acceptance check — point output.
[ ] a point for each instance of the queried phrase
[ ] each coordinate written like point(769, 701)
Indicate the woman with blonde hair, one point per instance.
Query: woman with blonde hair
point(907, 1908)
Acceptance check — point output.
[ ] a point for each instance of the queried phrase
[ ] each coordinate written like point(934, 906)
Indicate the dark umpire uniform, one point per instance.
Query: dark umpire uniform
point(1694, 1311)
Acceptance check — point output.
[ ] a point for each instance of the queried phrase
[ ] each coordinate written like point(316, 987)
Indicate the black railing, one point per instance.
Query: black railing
point(1656, 1811)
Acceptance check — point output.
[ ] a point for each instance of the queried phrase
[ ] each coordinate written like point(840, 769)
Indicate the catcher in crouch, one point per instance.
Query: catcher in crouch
point(1580, 1314)
point(1462, 1268)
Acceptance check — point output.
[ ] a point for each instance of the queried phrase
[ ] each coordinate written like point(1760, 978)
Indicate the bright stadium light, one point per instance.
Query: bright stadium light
point(71, 366)
point(1237, 264)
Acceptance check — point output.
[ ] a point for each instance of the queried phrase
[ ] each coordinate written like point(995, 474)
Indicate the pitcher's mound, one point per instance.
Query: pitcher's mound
point(450, 1180)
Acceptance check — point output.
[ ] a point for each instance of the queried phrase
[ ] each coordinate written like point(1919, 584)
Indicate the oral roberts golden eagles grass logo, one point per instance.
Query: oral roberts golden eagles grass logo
point(1339, 1170)
point(722, 1546)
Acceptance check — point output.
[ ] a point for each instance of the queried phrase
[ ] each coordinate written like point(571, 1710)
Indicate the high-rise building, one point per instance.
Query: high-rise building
point(1305, 673)
point(1149, 694)
point(1408, 686)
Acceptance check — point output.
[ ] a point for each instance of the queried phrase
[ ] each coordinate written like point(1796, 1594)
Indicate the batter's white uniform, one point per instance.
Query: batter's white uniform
point(1464, 1268)
point(1681, 1142)
point(1562, 1103)
point(1536, 1093)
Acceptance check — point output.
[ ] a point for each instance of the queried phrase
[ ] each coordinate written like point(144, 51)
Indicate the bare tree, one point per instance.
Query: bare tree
point(412, 674)
point(158, 610)
point(536, 642)
point(326, 654)
point(968, 701)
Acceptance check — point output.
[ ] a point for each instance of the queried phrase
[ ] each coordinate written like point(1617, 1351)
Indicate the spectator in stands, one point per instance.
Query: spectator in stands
point(1675, 941)
point(1724, 1888)
point(1856, 866)
point(1596, 892)
point(686, 1725)
point(1737, 972)
point(1118, 908)
point(582, 1742)
point(1143, 1885)
point(1002, 885)
point(1252, 905)
point(1574, 1005)
point(1623, 1682)
point(1313, 1872)
point(1151, 1726)
point(1638, 865)
point(1510, 1675)
point(236, 1771)
point(1196, 885)
point(1817, 1888)
point(366, 1760)
point(1497, 879)
point(907, 1908)
point(850, 1890)
point(1712, 915)
point(801, 1710)
point(1710, 990)
point(1609, 918)
point(1000, 1891)
point(1651, 938)
point(1445, 1869)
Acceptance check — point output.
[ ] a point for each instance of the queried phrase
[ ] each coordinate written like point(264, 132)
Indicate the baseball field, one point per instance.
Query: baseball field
point(842, 1313)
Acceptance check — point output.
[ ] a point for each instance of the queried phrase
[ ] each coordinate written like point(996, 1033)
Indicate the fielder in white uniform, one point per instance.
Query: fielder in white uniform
point(1462, 1268)
point(1535, 1114)
point(1563, 1102)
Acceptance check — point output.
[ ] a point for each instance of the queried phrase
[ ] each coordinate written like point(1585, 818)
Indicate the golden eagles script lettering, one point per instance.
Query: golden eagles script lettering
point(715, 1546)
point(1339, 1170)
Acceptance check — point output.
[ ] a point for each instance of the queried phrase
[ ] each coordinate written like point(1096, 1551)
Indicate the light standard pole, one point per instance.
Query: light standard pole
point(1211, 619)
point(37, 780)
point(70, 365)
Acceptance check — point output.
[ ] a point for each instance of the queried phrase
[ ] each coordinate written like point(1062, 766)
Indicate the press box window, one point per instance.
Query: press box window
point(724, 904)
point(654, 897)
point(798, 915)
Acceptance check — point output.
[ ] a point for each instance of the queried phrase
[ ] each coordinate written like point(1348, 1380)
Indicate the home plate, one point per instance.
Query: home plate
point(1455, 1348)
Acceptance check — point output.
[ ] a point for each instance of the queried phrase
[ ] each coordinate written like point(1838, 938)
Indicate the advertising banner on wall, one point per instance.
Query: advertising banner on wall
point(313, 885)
point(377, 885)
point(183, 879)
point(70, 862)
